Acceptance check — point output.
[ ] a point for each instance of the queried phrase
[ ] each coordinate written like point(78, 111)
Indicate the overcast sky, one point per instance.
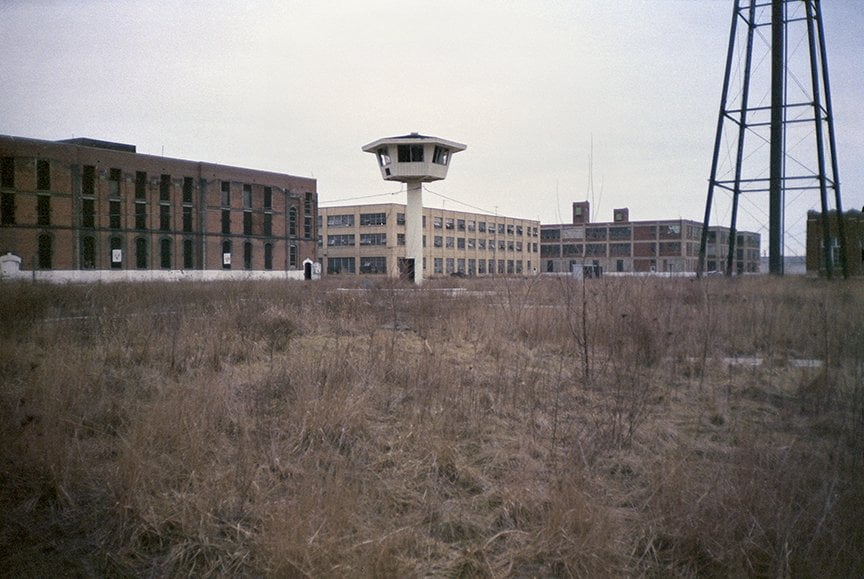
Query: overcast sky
point(531, 86)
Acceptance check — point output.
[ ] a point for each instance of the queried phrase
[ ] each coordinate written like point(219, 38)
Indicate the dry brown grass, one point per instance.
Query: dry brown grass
point(520, 428)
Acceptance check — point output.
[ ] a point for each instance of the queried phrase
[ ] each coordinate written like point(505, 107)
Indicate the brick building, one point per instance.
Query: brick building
point(853, 228)
point(624, 246)
point(370, 239)
point(83, 205)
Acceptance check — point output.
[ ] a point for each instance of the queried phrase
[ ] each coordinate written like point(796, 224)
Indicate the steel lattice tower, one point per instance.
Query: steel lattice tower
point(791, 133)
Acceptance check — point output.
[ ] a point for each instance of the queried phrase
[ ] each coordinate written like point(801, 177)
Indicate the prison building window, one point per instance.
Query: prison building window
point(226, 194)
point(509, 229)
point(441, 155)
point(373, 265)
point(481, 226)
point(165, 188)
point(187, 219)
point(336, 220)
point(307, 216)
point(400, 219)
point(116, 256)
point(140, 215)
point(88, 180)
point(481, 266)
point(438, 241)
point(450, 265)
point(226, 255)
point(188, 188)
point(268, 256)
point(460, 225)
point(141, 253)
point(140, 185)
point(247, 255)
point(460, 243)
point(400, 239)
point(449, 223)
point(188, 255)
point(373, 239)
point(43, 210)
point(88, 213)
point(43, 175)
point(165, 217)
point(372, 219)
point(7, 209)
point(165, 254)
point(341, 240)
point(88, 252)
point(226, 221)
point(268, 198)
point(340, 265)
point(500, 229)
point(268, 224)
point(45, 251)
point(114, 215)
point(114, 182)
point(437, 222)
point(247, 223)
point(292, 222)
point(7, 172)
point(292, 256)
point(448, 242)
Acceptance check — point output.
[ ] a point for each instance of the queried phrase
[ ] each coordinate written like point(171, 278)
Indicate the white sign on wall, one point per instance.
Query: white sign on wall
point(116, 255)
point(226, 259)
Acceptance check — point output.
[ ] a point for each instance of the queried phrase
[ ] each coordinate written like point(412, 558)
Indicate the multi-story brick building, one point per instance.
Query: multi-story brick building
point(85, 205)
point(370, 239)
point(853, 228)
point(621, 245)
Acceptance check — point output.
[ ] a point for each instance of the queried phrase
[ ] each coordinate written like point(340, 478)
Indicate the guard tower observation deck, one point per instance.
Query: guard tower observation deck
point(413, 159)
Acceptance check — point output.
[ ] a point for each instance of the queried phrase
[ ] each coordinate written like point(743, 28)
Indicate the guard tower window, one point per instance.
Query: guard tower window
point(383, 156)
point(441, 156)
point(410, 153)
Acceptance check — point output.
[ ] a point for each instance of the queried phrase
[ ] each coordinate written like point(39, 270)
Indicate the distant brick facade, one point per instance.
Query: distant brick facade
point(853, 228)
point(92, 205)
point(624, 246)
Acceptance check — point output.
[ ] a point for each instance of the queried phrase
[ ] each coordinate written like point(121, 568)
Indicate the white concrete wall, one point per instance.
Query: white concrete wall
point(94, 276)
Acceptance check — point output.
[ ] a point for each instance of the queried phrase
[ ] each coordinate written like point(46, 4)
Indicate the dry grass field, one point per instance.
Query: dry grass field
point(509, 428)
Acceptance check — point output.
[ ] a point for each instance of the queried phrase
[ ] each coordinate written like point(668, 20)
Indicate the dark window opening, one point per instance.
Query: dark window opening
point(88, 253)
point(226, 221)
point(188, 261)
point(88, 213)
point(247, 223)
point(165, 188)
point(441, 155)
point(410, 153)
point(45, 251)
point(165, 218)
point(226, 194)
point(88, 180)
point(247, 255)
point(188, 187)
point(43, 210)
point(268, 197)
point(187, 219)
point(114, 216)
point(292, 256)
point(383, 156)
point(247, 196)
point(141, 253)
point(7, 209)
point(140, 185)
point(7, 172)
point(165, 254)
point(268, 256)
point(43, 175)
point(268, 224)
point(140, 215)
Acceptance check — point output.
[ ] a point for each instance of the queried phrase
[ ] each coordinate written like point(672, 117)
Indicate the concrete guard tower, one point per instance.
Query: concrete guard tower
point(413, 159)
